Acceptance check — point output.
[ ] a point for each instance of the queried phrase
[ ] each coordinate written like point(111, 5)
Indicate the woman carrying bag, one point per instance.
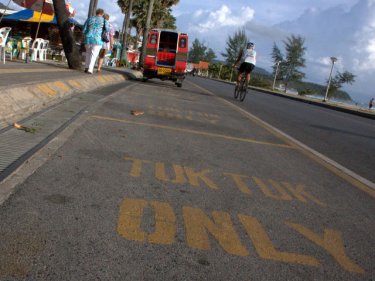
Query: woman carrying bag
point(93, 29)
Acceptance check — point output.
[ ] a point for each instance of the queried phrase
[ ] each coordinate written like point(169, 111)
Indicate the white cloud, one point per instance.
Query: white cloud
point(206, 21)
point(198, 13)
point(348, 35)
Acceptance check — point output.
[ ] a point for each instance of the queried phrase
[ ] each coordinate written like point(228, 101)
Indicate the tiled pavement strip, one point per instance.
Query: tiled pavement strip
point(17, 145)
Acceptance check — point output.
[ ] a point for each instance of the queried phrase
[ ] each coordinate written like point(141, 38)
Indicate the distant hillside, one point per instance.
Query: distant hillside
point(309, 88)
point(261, 71)
point(320, 90)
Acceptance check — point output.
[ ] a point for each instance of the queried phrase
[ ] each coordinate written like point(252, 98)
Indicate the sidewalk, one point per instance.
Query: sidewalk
point(26, 88)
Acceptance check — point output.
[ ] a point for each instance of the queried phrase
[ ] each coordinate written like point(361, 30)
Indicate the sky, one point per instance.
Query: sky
point(341, 28)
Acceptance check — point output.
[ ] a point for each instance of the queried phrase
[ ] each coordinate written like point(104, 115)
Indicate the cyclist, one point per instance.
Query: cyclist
point(248, 58)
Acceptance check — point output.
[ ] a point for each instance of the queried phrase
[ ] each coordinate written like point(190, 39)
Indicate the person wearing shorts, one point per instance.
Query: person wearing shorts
point(106, 46)
point(248, 58)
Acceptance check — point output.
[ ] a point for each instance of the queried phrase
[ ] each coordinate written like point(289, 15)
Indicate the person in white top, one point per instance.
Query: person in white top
point(248, 58)
point(107, 46)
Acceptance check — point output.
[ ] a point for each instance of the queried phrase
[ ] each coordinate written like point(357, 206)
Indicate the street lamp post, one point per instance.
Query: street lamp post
point(221, 66)
point(92, 8)
point(146, 31)
point(124, 54)
point(333, 60)
point(276, 72)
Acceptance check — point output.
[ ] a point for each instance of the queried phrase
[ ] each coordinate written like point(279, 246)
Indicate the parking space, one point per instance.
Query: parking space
point(190, 190)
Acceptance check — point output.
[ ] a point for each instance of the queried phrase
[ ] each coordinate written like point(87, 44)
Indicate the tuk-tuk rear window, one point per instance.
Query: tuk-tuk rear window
point(153, 39)
point(182, 43)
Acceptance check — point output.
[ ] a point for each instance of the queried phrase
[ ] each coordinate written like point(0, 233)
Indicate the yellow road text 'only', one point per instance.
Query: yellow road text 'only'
point(198, 226)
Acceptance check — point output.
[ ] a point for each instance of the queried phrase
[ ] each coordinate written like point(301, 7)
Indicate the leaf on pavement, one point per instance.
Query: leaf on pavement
point(136, 113)
point(24, 128)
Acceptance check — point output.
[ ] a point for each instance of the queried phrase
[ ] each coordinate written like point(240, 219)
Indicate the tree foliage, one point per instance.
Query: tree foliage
point(278, 62)
point(294, 59)
point(161, 17)
point(234, 45)
point(210, 55)
point(71, 51)
point(200, 52)
point(339, 80)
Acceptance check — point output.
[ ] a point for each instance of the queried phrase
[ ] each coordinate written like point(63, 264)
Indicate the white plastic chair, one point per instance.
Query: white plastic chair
point(36, 49)
point(9, 49)
point(4, 32)
point(25, 47)
point(43, 51)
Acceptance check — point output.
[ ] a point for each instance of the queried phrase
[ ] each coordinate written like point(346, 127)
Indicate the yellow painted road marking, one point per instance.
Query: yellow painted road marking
point(136, 166)
point(281, 194)
point(333, 243)
point(190, 131)
point(160, 173)
point(194, 177)
point(271, 189)
point(337, 169)
point(264, 247)
point(130, 220)
point(197, 224)
point(238, 180)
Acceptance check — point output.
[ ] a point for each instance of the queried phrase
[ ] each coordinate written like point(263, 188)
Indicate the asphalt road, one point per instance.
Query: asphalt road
point(193, 189)
point(345, 138)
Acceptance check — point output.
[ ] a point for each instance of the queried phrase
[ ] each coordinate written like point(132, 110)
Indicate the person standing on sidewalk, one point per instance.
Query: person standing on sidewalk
point(370, 103)
point(108, 46)
point(93, 30)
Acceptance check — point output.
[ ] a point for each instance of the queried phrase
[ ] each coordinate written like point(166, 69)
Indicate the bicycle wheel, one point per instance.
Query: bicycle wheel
point(236, 91)
point(243, 91)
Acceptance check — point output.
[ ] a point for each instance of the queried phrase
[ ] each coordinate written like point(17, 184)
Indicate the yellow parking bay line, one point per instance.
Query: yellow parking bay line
point(189, 131)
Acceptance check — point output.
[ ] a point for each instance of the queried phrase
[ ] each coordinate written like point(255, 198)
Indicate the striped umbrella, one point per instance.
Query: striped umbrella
point(44, 6)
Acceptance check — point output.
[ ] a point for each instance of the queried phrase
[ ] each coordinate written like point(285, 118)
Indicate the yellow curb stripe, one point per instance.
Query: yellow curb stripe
point(46, 89)
point(101, 80)
point(75, 83)
point(109, 78)
point(61, 85)
point(12, 71)
point(191, 131)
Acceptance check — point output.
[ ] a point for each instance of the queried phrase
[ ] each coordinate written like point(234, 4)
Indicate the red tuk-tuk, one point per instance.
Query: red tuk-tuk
point(166, 56)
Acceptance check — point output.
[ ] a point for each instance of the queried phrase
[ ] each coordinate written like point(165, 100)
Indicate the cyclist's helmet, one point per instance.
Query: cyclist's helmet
point(250, 45)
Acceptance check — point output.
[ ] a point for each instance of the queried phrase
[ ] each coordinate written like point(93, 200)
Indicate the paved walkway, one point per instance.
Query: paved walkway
point(18, 72)
point(26, 88)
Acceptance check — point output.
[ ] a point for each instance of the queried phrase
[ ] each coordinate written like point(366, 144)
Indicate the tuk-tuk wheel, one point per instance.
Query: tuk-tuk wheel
point(144, 79)
point(179, 84)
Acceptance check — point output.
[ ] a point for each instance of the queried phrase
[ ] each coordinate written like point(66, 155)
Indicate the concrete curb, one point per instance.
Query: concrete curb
point(23, 100)
point(328, 104)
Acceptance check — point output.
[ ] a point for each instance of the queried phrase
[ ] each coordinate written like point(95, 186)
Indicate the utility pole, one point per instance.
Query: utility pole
point(125, 32)
point(221, 67)
point(92, 8)
point(91, 5)
point(333, 60)
point(145, 34)
point(276, 73)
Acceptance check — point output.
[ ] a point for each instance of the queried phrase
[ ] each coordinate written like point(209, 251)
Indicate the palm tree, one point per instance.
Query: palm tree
point(71, 50)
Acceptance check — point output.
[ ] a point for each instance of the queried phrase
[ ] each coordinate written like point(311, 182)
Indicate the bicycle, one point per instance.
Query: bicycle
point(241, 90)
